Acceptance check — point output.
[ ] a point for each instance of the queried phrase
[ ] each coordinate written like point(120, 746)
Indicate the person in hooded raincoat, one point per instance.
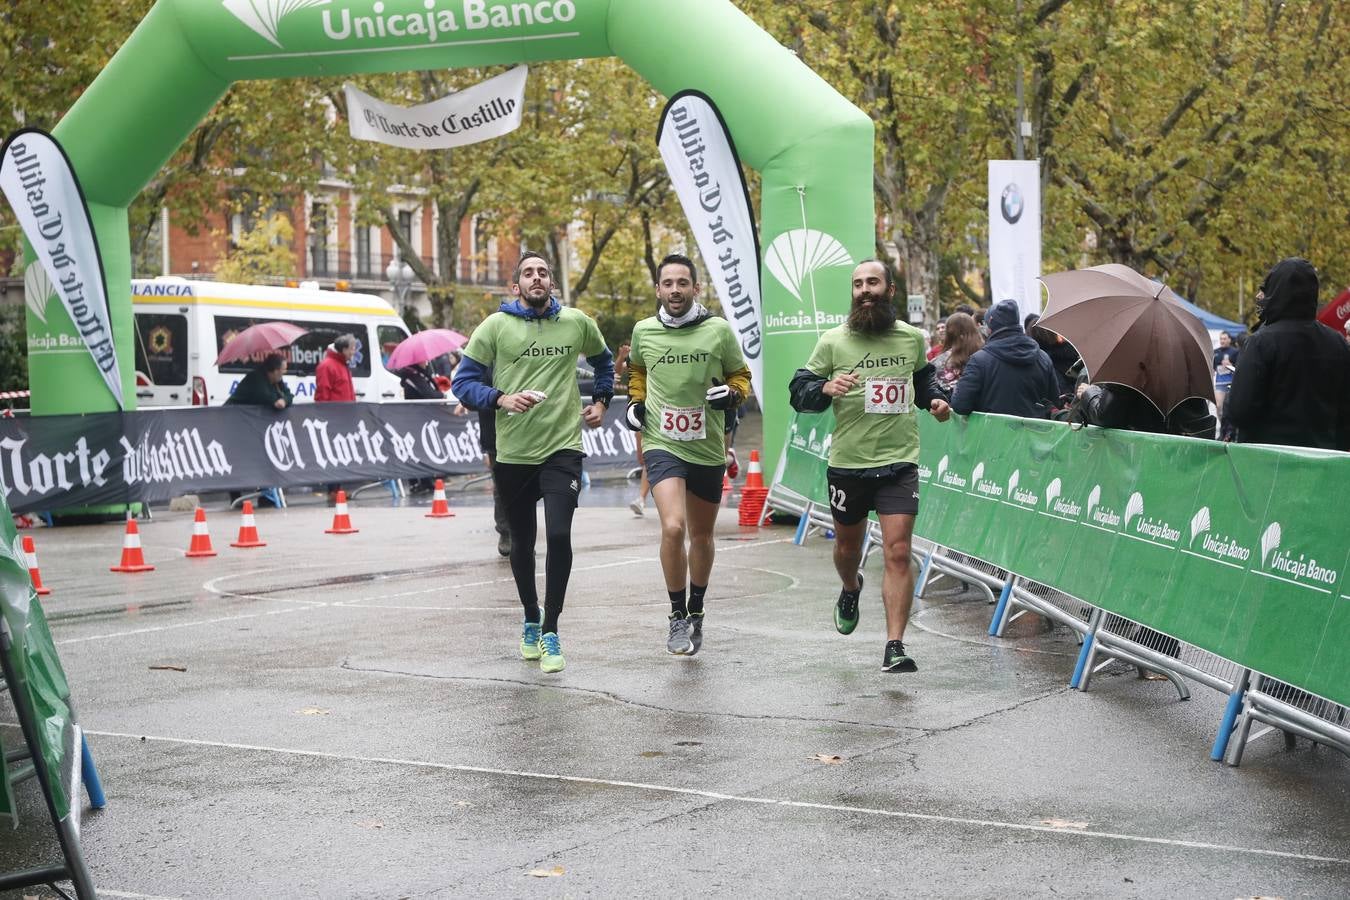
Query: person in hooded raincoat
point(1292, 383)
point(1012, 375)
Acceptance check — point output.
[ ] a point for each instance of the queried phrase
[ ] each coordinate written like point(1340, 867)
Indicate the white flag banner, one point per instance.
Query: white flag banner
point(487, 110)
point(39, 182)
point(1015, 232)
point(706, 174)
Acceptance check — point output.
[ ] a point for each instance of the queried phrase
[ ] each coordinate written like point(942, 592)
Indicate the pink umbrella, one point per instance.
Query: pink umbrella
point(425, 345)
point(259, 339)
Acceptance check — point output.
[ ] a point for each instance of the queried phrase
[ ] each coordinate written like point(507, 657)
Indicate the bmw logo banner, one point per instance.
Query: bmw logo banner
point(1015, 232)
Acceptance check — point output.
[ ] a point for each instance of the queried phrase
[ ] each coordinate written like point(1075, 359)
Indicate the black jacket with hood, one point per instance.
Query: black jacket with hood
point(1011, 375)
point(1292, 384)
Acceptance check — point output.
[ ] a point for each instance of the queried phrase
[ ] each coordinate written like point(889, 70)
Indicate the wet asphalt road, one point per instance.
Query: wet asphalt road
point(354, 721)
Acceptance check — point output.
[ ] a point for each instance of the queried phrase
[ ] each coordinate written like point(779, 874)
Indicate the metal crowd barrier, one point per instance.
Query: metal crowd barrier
point(1108, 638)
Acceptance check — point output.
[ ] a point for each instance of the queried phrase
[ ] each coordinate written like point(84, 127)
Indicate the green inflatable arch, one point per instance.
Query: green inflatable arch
point(812, 147)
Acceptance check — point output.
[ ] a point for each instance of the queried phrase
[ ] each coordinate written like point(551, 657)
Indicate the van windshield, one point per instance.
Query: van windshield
point(304, 356)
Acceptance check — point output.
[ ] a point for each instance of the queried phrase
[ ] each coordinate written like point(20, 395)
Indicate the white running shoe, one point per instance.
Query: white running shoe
point(638, 507)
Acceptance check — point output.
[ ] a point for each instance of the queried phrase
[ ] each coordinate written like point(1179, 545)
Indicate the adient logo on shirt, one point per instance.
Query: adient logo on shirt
point(534, 351)
point(672, 359)
point(880, 362)
point(425, 20)
point(1303, 571)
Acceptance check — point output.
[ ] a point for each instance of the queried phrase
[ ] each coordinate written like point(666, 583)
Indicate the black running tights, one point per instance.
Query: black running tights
point(558, 510)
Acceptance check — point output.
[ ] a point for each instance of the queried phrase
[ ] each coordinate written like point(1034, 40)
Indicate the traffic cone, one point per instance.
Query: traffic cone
point(200, 545)
point(248, 529)
point(754, 477)
point(440, 507)
point(342, 523)
point(726, 487)
point(133, 560)
point(30, 551)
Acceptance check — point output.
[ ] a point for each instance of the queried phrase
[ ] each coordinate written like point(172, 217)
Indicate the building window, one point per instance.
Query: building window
point(318, 239)
point(363, 266)
point(404, 227)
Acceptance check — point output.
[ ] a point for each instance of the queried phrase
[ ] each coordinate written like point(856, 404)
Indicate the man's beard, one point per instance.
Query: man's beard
point(876, 318)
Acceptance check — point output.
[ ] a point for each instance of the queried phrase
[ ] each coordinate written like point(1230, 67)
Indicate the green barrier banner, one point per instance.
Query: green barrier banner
point(1239, 550)
point(36, 672)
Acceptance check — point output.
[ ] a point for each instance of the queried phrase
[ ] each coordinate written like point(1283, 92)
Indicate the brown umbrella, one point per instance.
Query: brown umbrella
point(1132, 331)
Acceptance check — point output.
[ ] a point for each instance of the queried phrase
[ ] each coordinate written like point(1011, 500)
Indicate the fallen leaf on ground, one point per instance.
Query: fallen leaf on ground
point(463, 803)
point(548, 873)
point(1154, 676)
point(370, 823)
point(827, 759)
point(650, 754)
point(167, 668)
point(1062, 823)
point(314, 711)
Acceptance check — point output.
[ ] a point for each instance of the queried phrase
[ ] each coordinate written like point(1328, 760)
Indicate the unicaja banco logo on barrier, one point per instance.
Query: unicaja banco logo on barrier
point(1220, 547)
point(1143, 526)
point(1304, 571)
point(400, 20)
point(1019, 494)
point(982, 486)
point(1057, 506)
point(947, 478)
point(1102, 516)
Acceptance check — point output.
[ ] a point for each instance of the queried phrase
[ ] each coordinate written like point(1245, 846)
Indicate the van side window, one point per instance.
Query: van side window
point(304, 356)
point(161, 348)
point(390, 337)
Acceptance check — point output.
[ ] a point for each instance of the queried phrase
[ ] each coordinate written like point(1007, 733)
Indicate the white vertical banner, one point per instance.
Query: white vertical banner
point(706, 174)
point(40, 184)
point(1015, 232)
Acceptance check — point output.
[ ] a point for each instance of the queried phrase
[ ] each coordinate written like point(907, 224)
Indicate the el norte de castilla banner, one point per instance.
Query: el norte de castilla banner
point(706, 174)
point(40, 184)
point(487, 110)
point(62, 462)
point(1240, 550)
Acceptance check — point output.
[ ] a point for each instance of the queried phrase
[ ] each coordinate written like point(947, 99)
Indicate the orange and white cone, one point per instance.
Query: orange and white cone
point(440, 507)
point(248, 529)
point(30, 551)
point(754, 476)
point(342, 522)
point(200, 545)
point(133, 560)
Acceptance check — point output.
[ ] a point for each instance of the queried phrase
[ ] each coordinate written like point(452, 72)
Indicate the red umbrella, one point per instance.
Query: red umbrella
point(259, 339)
point(425, 345)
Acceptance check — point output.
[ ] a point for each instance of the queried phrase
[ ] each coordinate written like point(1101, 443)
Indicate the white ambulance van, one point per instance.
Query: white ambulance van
point(181, 326)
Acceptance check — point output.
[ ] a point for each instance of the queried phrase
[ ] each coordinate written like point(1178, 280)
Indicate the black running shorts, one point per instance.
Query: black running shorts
point(853, 497)
point(525, 483)
point(704, 482)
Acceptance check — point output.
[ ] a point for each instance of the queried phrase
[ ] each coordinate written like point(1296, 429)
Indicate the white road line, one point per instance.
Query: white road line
point(737, 798)
point(104, 892)
point(177, 625)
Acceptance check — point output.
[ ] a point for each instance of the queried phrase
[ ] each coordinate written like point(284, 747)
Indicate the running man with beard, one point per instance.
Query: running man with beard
point(531, 345)
point(873, 371)
point(687, 375)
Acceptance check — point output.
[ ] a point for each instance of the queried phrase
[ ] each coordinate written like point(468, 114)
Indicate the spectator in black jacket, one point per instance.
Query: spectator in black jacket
point(1012, 375)
point(1292, 384)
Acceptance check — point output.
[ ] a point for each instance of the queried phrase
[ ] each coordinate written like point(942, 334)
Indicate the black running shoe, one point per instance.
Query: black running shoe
point(896, 659)
point(695, 621)
point(846, 609)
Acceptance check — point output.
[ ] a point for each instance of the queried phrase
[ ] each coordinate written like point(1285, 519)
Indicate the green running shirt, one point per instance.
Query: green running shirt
point(680, 364)
point(875, 423)
point(537, 355)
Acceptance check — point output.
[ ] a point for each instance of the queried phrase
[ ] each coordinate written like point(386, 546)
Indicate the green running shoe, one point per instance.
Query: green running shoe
point(896, 659)
point(529, 640)
point(846, 609)
point(550, 653)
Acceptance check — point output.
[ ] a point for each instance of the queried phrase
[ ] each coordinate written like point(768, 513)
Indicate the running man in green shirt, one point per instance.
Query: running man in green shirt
point(873, 372)
point(531, 346)
point(686, 375)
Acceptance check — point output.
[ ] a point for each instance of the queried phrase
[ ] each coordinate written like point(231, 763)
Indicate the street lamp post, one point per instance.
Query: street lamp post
point(400, 276)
